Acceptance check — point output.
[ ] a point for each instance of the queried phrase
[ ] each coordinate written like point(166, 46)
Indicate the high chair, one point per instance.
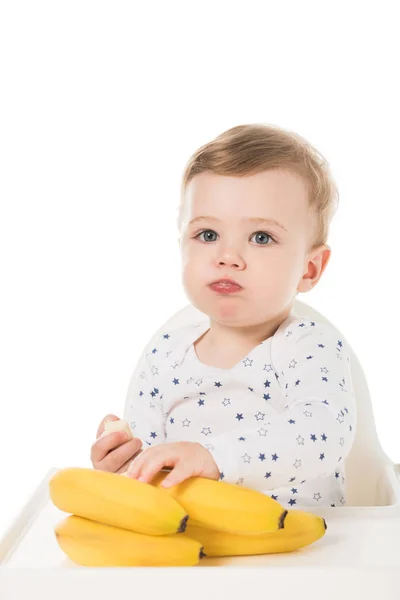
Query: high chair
point(358, 557)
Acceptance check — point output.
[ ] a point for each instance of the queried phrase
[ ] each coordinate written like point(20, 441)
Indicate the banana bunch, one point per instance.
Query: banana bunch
point(118, 521)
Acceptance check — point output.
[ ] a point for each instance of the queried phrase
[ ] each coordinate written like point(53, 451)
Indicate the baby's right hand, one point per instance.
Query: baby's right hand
point(114, 451)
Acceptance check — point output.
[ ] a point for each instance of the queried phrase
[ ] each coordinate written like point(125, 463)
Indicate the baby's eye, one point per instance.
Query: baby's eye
point(261, 236)
point(208, 232)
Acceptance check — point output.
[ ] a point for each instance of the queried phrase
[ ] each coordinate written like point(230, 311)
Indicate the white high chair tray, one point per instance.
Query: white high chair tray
point(358, 557)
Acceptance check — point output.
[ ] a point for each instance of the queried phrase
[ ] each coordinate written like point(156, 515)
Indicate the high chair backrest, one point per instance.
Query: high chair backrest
point(364, 464)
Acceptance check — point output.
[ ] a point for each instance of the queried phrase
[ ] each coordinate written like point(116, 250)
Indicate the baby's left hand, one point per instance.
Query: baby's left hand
point(187, 459)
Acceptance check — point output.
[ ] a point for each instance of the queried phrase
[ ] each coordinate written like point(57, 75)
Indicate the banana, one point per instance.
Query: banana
point(94, 544)
point(301, 529)
point(114, 500)
point(120, 425)
point(224, 506)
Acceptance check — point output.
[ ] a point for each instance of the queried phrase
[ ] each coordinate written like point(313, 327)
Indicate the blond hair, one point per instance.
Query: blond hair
point(251, 149)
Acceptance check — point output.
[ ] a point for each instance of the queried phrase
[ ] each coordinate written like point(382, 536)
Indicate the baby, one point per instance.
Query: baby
point(254, 395)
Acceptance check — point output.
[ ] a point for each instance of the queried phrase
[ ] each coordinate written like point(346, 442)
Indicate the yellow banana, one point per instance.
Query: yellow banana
point(94, 544)
point(225, 506)
point(301, 529)
point(114, 500)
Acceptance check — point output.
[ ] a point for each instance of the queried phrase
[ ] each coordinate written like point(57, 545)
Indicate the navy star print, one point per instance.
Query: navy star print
point(283, 414)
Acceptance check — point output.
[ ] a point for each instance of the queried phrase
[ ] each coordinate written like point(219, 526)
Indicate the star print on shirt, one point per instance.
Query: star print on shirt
point(166, 336)
point(297, 394)
point(292, 501)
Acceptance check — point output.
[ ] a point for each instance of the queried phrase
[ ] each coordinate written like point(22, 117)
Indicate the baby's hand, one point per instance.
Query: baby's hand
point(187, 459)
point(114, 451)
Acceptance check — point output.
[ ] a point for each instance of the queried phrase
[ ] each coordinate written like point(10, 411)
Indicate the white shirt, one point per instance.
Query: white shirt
point(281, 421)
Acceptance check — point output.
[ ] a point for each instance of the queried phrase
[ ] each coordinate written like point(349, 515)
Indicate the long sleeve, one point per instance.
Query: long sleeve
point(314, 433)
point(143, 406)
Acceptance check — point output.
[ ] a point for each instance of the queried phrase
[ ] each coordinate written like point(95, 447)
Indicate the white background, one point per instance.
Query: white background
point(102, 103)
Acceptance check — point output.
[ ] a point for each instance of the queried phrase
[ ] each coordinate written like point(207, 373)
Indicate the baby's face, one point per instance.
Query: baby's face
point(267, 260)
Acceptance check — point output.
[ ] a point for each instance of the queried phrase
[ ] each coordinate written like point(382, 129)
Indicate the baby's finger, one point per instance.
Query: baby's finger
point(177, 475)
point(150, 466)
point(103, 445)
point(118, 457)
point(139, 461)
point(127, 464)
